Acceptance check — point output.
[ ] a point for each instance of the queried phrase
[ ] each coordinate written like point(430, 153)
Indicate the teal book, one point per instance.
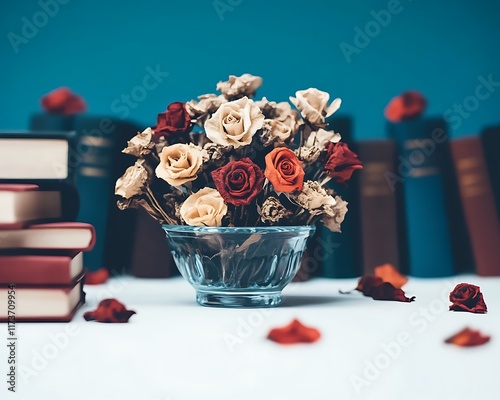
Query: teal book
point(422, 162)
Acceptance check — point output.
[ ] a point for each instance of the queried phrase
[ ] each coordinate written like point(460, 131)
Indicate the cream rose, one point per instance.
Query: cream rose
point(234, 123)
point(313, 198)
point(206, 104)
point(274, 131)
point(179, 163)
point(313, 105)
point(133, 180)
point(239, 86)
point(321, 137)
point(334, 215)
point(204, 208)
point(141, 144)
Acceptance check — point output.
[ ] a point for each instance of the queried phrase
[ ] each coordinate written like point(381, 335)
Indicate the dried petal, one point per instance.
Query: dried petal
point(468, 338)
point(374, 287)
point(110, 311)
point(295, 332)
point(390, 274)
point(97, 277)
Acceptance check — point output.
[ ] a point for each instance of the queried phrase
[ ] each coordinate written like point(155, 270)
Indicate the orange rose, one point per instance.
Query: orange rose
point(284, 170)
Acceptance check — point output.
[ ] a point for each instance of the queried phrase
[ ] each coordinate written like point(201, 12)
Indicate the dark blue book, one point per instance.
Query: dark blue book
point(51, 122)
point(421, 167)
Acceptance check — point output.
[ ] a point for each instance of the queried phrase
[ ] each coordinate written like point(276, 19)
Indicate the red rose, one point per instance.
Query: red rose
point(467, 297)
point(341, 162)
point(175, 120)
point(109, 310)
point(407, 105)
point(284, 170)
point(63, 101)
point(239, 182)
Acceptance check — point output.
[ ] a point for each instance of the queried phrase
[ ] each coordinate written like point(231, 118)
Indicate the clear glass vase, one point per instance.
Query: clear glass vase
point(238, 267)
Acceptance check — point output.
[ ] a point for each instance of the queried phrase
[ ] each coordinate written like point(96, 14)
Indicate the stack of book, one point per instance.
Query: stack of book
point(41, 269)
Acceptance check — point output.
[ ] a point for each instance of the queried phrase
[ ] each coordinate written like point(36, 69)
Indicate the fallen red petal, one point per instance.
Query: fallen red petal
point(109, 310)
point(368, 282)
point(294, 332)
point(468, 338)
point(374, 287)
point(390, 274)
point(97, 277)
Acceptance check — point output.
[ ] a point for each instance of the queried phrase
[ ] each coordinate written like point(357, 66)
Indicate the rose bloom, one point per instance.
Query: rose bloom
point(284, 170)
point(141, 144)
point(239, 86)
point(239, 181)
point(408, 105)
point(234, 123)
point(179, 163)
point(204, 208)
point(313, 105)
point(206, 104)
point(313, 198)
point(334, 215)
point(175, 120)
point(133, 181)
point(341, 162)
point(467, 297)
point(274, 131)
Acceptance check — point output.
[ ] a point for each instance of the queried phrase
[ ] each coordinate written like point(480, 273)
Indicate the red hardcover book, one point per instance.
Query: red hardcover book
point(478, 203)
point(40, 270)
point(42, 304)
point(69, 237)
point(22, 204)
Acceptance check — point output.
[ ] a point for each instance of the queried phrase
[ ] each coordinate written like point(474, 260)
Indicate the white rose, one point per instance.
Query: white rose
point(204, 208)
point(133, 180)
point(275, 131)
point(335, 215)
point(313, 105)
point(313, 198)
point(321, 137)
point(234, 123)
point(179, 163)
point(206, 104)
point(280, 111)
point(239, 86)
point(141, 144)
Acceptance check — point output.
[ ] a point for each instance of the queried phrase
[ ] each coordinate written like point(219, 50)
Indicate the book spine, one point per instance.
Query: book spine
point(51, 122)
point(378, 206)
point(34, 270)
point(490, 138)
point(479, 206)
point(422, 146)
point(339, 254)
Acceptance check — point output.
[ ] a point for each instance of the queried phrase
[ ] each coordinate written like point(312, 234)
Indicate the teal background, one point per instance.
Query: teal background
point(101, 49)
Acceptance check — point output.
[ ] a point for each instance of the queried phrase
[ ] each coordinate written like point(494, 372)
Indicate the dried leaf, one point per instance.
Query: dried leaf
point(468, 338)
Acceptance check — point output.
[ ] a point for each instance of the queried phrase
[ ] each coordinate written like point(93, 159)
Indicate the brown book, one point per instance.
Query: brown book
point(42, 303)
point(378, 205)
point(151, 257)
point(478, 203)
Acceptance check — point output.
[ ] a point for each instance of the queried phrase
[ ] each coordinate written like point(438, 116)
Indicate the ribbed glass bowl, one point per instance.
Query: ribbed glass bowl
point(238, 267)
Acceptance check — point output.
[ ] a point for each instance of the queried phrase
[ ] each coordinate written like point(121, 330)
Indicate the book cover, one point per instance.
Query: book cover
point(44, 304)
point(479, 204)
point(29, 156)
point(490, 138)
point(380, 230)
point(422, 146)
point(23, 204)
point(40, 269)
point(69, 237)
point(51, 122)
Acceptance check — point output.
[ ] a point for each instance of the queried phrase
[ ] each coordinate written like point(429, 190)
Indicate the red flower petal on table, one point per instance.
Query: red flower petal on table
point(390, 274)
point(368, 281)
point(468, 338)
point(374, 287)
point(341, 162)
point(109, 310)
point(467, 297)
point(97, 277)
point(294, 332)
point(408, 105)
point(63, 101)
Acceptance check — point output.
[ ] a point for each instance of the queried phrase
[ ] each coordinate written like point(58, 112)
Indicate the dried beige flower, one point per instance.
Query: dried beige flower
point(334, 215)
point(239, 86)
point(179, 163)
point(313, 198)
point(141, 144)
point(308, 154)
point(274, 131)
point(273, 211)
point(234, 123)
point(207, 104)
point(204, 208)
point(133, 181)
point(321, 137)
point(313, 105)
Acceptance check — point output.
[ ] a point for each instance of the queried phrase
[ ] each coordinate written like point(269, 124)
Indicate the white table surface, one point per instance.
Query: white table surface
point(174, 349)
